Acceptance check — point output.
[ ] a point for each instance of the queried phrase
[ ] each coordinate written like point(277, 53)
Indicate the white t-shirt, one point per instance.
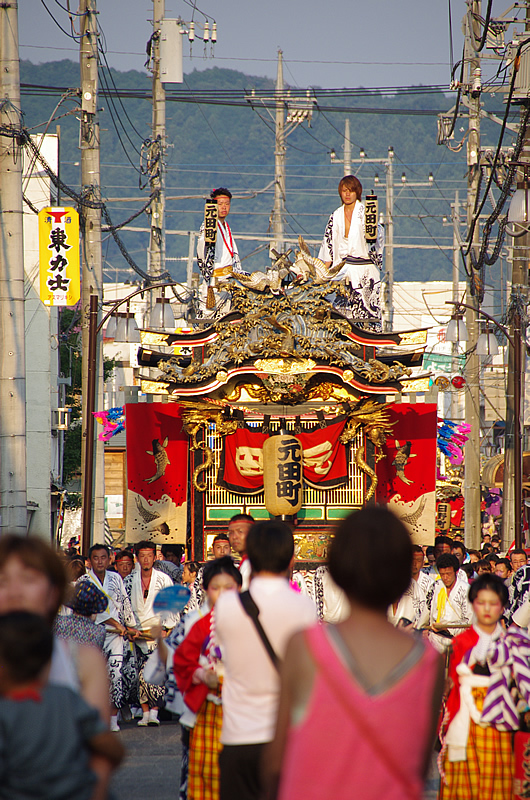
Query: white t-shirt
point(251, 684)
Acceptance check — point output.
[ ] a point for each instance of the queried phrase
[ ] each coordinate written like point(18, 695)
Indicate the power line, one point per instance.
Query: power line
point(70, 35)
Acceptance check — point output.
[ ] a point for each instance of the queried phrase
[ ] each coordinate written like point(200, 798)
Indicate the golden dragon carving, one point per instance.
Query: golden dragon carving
point(195, 417)
point(361, 463)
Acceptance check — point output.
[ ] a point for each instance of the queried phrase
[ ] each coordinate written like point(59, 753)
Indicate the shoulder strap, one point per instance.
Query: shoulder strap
point(252, 610)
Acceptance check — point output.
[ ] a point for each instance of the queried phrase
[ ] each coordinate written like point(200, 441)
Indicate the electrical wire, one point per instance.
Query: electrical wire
point(136, 214)
point(485, 29)
point(109, 72)
point(215, 135)
point(451, 55)
point(498, 150)
point(115, 115)
point(76, 38)
point(308, 132)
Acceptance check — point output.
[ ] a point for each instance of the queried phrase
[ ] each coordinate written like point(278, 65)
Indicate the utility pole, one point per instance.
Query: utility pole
point(157, 154)
point(347, 147)
point(472, 495)
point(92, 284)
point(388, 281)
point(513, 462)
point(279, 164)
point(299, 110)
point(456, 275)
point(13, 508)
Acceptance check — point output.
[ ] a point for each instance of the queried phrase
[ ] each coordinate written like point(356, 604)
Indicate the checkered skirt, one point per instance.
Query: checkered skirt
point(487, 773)
point(205, 746)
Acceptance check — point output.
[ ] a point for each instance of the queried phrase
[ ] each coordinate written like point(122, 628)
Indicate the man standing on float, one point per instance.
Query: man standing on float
point(344, 240)
point(216, 262)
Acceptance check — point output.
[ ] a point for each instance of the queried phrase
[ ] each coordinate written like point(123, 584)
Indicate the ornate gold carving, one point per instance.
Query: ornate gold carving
point(201, 487)
point(361, 463)
point(348, 375)
point(288, 393)
point(284, 367)
point(290, 332)
point(150, 338)
point(375, 420)
point(413, 337)
point(197, 415)
point(154, 387)
point(222, 376)
point(312, 546)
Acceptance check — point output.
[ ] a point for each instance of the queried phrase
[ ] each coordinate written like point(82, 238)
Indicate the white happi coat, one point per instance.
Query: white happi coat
point(363, 278)
point(412, 605)
point(144, 614)
point(335, 246)
point(457, 609)
point(119, 606)
point(224, 263)
point(223, 244)
point(425, 581)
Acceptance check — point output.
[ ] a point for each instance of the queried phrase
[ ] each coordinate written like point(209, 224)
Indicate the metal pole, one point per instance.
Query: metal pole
point(347, 147)
point(513, 457)
point(279, 163)
point(191, 256)
point(157, 155)
point(388, 299)
point(91, 251)
point(472, 495)
point(456, 266)
point(90, 406)
point(517, 433)
point(13, 509)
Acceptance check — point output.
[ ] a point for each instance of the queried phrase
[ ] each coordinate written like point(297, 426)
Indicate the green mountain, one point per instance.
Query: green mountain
point(220, 145)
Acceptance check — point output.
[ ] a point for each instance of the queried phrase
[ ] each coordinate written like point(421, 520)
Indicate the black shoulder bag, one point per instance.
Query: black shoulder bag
point(252, 610)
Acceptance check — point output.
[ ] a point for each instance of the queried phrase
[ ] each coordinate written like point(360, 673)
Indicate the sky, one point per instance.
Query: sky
point(326, 43)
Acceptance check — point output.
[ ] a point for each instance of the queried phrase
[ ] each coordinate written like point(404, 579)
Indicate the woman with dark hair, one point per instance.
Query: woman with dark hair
point(33, 578)
point(481, 714)
point(345, 242)
point(348, 690)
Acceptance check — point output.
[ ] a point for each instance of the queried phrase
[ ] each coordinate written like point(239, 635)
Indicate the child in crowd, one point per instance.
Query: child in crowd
point(85, 602)
point(481, 714)
point(47, 733)
point(189, 572)
point(198, 671)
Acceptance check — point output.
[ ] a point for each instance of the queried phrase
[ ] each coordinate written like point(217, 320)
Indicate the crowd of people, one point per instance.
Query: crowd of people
point(261, 686)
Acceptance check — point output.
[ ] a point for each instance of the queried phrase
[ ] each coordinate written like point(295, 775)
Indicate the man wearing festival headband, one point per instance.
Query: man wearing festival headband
point(217, 261)
point(116, 619)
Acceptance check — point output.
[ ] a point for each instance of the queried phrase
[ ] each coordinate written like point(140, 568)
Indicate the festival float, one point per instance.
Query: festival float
point(283, 407)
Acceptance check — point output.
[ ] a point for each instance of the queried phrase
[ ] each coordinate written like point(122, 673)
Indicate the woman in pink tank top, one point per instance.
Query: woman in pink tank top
point(360, 700)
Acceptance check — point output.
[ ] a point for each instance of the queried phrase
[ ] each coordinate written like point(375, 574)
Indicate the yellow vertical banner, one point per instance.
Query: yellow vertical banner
point(60, 280)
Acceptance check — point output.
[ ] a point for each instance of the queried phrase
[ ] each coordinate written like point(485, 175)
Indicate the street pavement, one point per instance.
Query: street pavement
point(152, 766)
